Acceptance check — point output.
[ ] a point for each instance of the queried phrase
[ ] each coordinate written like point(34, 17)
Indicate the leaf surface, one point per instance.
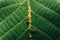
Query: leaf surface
point(45, 19)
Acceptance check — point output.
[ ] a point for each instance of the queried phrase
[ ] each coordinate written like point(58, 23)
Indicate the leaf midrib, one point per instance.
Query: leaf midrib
point(45, 19)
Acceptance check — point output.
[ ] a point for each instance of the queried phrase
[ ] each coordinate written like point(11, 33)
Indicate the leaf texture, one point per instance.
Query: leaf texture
point(45, 19)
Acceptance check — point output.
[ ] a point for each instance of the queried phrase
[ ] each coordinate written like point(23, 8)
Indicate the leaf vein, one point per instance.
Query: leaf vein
point(13, 28)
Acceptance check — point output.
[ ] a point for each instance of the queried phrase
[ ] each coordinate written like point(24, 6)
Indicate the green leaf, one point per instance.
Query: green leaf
point(45, 19)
